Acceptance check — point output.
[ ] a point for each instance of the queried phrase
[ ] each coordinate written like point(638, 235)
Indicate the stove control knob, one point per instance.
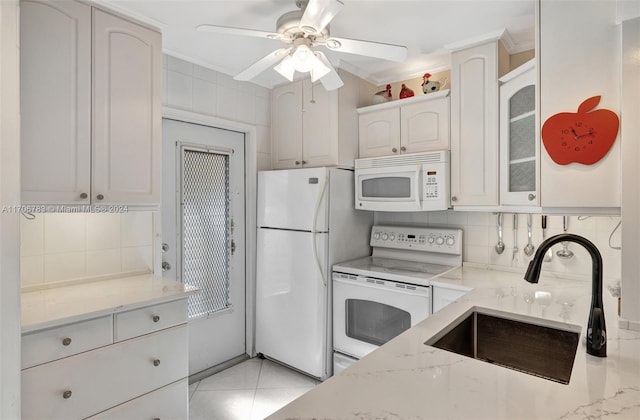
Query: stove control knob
point(431, 239)
point(450, 241)
point(392, 237)
point(385, 236)
point(439, 240)
point(376, 236)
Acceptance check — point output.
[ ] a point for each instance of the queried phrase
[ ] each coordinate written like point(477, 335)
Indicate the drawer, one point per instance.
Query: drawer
point(91, 382)
point(170, 402)
point(55, 343)
point(149, 319)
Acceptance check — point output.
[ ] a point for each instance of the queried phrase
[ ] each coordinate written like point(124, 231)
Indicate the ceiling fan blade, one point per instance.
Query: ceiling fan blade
point(227, 30)
point(368, 48)
point(263, 64)
point(331, 80)
point(318, 14)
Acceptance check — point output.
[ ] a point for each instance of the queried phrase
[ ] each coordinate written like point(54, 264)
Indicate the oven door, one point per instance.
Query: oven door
point(368, 312)
point(389, 189)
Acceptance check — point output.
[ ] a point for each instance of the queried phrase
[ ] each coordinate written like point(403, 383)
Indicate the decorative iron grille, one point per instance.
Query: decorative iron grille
point(205, 230)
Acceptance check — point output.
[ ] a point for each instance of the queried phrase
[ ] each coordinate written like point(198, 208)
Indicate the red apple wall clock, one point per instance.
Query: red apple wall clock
point(583, 137)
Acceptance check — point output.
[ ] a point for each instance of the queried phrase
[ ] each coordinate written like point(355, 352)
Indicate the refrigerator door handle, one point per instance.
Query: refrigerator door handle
point(314, 231)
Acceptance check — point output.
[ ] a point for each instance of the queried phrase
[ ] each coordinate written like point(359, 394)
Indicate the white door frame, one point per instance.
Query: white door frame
point(251, 181)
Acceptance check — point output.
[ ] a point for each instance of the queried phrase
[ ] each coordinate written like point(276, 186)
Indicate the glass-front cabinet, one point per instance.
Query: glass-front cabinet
point(519, 145)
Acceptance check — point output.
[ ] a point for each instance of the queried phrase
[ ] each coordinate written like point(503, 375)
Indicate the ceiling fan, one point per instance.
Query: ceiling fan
point(303, 30)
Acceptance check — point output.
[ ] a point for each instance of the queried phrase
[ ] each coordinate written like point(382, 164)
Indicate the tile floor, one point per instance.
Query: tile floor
point(251, 390)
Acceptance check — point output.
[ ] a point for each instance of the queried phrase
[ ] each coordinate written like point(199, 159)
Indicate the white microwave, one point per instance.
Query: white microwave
point(411, 182)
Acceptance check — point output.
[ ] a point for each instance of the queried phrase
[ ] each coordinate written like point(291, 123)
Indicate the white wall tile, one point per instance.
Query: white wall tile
point(179, 90)
point(264, 139)
point(180, 66)
point(204, 97)
point(204, 73)
point(264, 161)
point(32, 270)
point(476, 254)
point(32, 236)
point(136, 229)
point(246, 111)
point(64, 232)
point(227, 102)
point(137, 258)
point(103, 262)
point(102, 231)
point(476, 235)
point(65, 266)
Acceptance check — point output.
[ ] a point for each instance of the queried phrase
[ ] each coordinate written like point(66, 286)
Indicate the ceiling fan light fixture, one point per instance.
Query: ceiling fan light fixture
point(286, 68)
point(319, 70)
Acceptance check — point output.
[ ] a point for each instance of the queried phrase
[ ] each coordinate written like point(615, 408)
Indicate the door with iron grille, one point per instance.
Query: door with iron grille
point(203, 235)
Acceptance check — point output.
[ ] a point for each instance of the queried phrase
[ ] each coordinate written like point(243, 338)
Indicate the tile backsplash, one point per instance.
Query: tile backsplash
point(480, 237)
point(67, 246)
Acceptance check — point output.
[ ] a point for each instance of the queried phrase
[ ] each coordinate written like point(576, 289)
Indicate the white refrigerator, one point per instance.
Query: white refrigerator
point(307, 222)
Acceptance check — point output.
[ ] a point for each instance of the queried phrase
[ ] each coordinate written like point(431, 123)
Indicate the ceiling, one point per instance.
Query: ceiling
point(423, 26)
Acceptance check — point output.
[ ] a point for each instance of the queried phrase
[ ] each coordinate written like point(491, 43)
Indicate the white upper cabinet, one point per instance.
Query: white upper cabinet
point(55, 96)
point(127, 115)
point(519, 138)
point(417, 124)
point(71, 155)
point(312, 127)
point(474, 124)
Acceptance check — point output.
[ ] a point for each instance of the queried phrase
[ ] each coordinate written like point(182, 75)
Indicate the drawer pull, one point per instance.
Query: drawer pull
point(156, 318)
point(156, 362)
point(66, 394)
point(66, 341)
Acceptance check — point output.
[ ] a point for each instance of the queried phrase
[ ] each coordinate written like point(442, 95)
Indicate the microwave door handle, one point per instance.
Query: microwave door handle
point(416, 187)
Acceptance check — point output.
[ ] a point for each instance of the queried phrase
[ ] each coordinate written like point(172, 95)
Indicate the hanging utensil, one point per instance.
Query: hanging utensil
point(528, 249)
point(514, 259)
point(549, 254)
point(500, 244)
point(565, 252)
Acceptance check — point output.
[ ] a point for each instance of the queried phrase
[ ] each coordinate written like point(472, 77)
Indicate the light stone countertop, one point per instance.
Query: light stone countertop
point(407, 380)
point(51, 307)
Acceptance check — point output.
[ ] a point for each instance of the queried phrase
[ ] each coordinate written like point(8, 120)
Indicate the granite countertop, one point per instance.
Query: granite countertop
point(407, 380)
point(50, 307)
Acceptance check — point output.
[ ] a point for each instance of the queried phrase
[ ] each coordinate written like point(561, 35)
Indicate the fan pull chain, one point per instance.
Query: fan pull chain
point(313, 101)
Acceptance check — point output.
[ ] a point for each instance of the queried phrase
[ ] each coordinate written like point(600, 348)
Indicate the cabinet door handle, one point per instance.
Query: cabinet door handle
point(304, 162)
point(403, 149)
point(100, 197)
point(454, 198)
point(156, 362)
point(394, 150)
point(156, 318)
point(531, 197)
point(66, 394)
point(84, 196)
point(297, 162)
point(66, 341)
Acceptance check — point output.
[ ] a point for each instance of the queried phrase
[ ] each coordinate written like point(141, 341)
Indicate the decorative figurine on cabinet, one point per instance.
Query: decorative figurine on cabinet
point(405, 92)
point(382, 96)
point(429, 86)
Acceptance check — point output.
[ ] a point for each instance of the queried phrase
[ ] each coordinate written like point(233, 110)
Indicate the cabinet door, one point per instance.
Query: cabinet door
point(127, 111)
point(286, 126)
point(519, 144)
point(319, 125)
point(424, 126)
point(379, 133)
point(474, 125)
point(55, 95)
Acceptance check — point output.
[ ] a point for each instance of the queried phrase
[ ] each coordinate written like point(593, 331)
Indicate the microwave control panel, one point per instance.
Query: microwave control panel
point(435, 184)
point(426, 239)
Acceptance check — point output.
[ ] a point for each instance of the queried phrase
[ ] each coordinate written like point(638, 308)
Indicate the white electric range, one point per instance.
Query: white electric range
point(376, 298)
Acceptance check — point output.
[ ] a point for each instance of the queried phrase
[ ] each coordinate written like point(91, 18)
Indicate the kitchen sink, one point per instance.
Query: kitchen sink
point(531, 345)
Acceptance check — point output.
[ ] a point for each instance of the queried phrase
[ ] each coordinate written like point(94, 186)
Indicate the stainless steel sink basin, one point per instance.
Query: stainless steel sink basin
point(530, 345)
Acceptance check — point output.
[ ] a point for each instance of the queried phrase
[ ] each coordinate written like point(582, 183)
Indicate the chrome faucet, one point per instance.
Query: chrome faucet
point(596, 330)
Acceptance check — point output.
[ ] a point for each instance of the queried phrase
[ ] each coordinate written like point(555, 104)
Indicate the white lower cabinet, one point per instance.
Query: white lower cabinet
point(170, 402)
point(148, 372)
